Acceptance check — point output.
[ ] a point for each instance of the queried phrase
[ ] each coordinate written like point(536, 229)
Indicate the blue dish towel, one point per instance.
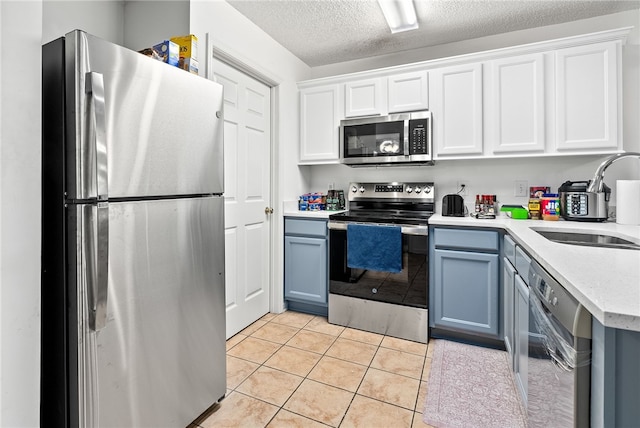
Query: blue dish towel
point(374, 247)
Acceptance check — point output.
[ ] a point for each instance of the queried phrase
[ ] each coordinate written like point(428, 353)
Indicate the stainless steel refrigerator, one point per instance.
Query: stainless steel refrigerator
point(133, 302)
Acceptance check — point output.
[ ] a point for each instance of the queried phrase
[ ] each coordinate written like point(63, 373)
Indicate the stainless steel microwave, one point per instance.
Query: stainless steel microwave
point(392, 139)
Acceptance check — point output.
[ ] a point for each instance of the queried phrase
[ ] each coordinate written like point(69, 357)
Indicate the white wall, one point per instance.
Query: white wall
point(20, 75)
point(103, 19)
point(497, 176)
point(147, 23)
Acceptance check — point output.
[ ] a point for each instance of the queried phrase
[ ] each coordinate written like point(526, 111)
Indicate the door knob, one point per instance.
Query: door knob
point(268, 210)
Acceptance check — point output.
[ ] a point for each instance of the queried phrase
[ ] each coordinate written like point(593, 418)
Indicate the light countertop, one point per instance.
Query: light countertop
point(606, 281)
point(290, 209)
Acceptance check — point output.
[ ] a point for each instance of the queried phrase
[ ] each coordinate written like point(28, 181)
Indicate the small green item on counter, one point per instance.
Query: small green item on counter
point(510, 207)
point(519, 213)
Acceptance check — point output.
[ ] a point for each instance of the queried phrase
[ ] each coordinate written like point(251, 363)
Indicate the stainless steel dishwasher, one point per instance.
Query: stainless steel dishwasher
point(559, 364)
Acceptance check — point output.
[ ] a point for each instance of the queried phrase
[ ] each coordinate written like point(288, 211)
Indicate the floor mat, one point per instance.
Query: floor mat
point(471, 386)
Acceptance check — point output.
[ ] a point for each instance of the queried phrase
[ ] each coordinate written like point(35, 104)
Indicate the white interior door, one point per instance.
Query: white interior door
point(247, 192)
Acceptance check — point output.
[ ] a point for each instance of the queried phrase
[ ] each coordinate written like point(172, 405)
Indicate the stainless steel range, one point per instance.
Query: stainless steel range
point(378, 252)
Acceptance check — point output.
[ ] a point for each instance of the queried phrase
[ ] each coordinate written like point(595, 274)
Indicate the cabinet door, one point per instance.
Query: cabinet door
point(508, 289)
point(516, 116)
point(587, 85)
point(466, 292)
point(363, 98)
point(305, 269)
point(455, 99)
point(408, 92)
point(521, 348)
point(319, 124)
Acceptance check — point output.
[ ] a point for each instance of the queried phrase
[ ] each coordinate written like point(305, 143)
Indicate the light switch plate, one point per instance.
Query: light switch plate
point(522, 188)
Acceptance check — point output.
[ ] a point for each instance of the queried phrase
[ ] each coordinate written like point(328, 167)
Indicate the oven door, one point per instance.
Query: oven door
point(406, 288)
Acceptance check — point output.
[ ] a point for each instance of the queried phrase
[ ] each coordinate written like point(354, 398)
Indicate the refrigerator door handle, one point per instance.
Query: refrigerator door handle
point(99, 262)
point(95, 87)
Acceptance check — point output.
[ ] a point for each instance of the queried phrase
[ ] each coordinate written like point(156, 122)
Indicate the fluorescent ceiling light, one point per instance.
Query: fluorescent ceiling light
point(400, 14)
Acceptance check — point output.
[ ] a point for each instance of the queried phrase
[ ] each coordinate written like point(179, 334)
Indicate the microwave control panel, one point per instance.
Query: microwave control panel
point(418, 138)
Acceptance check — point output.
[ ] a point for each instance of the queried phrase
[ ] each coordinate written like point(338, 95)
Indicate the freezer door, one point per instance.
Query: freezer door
point(159, 361)
point(143, 126)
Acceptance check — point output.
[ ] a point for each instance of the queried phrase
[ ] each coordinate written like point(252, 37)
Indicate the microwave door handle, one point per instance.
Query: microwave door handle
point(406, 138)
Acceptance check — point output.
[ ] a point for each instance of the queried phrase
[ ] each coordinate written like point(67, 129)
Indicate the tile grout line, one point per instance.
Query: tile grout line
point(355, 393)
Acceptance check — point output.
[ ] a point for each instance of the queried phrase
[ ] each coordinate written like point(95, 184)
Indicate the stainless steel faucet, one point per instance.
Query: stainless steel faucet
point(597, 182)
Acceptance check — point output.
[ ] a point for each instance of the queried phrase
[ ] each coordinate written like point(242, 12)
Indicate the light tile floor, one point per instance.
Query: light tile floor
point(297, 370)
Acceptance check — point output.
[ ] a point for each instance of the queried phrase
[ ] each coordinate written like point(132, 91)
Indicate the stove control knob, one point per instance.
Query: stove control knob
point(427, 189)
point(554, 301)
point(361, 189)
point(409, 189)
point(418, 190)
point(354, 189)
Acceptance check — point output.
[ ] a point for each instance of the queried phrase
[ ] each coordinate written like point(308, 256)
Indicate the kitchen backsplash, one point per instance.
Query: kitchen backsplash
point(483, 176)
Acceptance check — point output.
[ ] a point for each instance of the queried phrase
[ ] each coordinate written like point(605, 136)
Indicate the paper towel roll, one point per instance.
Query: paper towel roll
point(628, 202)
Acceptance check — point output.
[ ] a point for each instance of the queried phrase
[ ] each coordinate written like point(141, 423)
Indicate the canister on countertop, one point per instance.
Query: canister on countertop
point(550, 206)
point(534, 209)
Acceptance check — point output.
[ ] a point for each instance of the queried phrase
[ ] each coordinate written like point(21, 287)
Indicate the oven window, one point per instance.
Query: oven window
point(408, 287)
point(375, 139)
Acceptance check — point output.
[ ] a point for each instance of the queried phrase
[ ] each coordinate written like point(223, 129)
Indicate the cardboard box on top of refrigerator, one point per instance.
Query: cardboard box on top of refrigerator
point(168, 52)
point(189, 64)
point(188, 46)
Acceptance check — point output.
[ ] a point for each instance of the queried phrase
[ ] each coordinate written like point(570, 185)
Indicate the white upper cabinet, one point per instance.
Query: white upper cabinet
point(364, 98)
point(515, 119)
point(408, 92)
point(320, 115)
point(455, 100)
point(552, 98)
point(587, 102)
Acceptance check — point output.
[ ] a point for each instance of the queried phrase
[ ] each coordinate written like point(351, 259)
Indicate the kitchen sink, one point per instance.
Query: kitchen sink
point(588, 239)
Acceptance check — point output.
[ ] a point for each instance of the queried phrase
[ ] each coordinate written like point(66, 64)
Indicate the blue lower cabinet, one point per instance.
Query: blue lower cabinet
point(465, 285)
point(305, 266)
point(466, 292)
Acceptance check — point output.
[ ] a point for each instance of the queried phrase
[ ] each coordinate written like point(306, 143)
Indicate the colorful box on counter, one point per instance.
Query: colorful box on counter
point(312, 202)
point(188, 64)
point(188, 46)
point(538, 191)
point(168, 52)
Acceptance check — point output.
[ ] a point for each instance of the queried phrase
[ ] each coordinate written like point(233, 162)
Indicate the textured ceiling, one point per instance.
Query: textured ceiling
point(321, 32)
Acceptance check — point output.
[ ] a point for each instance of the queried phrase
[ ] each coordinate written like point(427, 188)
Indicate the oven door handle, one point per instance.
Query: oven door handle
point(405, 229)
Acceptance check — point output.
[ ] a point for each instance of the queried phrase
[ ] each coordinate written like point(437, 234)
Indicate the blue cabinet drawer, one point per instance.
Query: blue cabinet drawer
point(467, 239)
point(296, 226)
point(509, 249)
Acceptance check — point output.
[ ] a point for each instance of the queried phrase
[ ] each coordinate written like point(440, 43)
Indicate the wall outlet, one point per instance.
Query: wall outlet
point(522, 188)
point(461, 188)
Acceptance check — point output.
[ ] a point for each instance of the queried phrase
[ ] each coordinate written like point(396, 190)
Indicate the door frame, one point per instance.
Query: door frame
point(248, 67)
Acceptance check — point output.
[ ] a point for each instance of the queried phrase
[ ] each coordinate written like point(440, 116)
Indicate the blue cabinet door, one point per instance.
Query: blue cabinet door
point(521, 339)
point(466, 292)
point(508, 287)
point(305, 264)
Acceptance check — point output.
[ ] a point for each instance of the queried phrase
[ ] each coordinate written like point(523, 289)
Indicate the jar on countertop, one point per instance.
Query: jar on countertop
point(550, 206)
